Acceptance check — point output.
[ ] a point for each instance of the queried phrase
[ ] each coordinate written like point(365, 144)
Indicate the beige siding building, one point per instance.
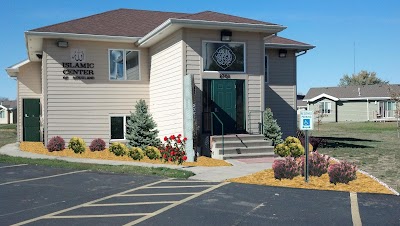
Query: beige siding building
point(84, 80)
point(354, 103)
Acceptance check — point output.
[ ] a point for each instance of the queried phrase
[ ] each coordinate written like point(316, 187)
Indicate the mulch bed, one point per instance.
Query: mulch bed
point(38, 147)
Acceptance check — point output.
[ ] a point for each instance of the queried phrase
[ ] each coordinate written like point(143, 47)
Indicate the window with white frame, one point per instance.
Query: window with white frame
point(224, 56)
point(124, 64)
point(325, 107)
point(2, 114)
point(118, 124)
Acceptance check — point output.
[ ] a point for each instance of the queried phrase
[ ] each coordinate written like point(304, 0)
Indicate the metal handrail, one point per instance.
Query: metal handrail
point(212, 130)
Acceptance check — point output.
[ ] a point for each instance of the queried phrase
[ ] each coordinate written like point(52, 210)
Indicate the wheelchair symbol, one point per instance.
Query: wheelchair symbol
point(306, 122)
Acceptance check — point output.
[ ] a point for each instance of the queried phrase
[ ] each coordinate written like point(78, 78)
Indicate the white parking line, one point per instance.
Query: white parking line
point(13, 166)
point(185, 186)
point(131, 203)
point(41, 178)
point(52, 215)
point(175, 204)
point(96, 216)
point(181, 193)
point(355, 212)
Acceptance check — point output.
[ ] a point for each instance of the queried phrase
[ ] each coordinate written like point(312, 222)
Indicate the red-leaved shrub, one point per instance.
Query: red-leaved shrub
point(286, 168)
point(56, 143)
point(317, 164)
point(97, 145)
point(343, 172)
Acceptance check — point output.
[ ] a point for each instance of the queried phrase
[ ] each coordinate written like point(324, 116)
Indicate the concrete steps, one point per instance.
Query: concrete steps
point(240, 146)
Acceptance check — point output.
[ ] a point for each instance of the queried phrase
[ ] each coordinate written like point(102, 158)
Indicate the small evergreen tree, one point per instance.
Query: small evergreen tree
point(272, 131)
point(141, 130)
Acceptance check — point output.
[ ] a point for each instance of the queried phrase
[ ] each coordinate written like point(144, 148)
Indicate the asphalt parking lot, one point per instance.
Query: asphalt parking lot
point(37, 195)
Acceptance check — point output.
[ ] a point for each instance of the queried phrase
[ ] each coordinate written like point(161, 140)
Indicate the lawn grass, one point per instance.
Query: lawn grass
point(373, 146)
point(125, 169)
point(8, 134)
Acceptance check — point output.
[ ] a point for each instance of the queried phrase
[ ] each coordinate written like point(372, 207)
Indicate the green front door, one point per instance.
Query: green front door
point(223, 95)
point(31, 119)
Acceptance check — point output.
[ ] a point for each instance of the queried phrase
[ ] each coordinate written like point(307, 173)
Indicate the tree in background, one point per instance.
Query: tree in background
point(362, 78)
point(141, 130)
point(272, 131)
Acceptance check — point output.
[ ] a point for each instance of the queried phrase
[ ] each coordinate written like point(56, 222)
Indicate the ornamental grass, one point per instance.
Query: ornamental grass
point(38, 148)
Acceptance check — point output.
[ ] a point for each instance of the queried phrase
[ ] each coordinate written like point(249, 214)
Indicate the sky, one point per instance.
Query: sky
point(349, 35)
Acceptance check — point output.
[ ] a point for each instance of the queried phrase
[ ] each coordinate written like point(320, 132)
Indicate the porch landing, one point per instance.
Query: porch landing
point(240, 146)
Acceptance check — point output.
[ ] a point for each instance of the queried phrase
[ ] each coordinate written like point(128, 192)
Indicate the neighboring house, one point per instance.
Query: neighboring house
point(84, 76)
point(8, 112)
point(353, 103)
point(301, 105)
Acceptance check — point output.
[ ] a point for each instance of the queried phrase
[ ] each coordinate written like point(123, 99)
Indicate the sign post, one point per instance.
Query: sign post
point(306, 124)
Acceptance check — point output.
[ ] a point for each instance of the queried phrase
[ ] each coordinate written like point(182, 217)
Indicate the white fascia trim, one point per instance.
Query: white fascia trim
point(289, 46)
point(366, 98)
point(323, 95)
point(83, 36)
point(3, 108)
point(210, 24)
point(12, 71)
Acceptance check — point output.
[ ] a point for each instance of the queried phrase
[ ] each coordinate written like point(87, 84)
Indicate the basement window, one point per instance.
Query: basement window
point(118, 126)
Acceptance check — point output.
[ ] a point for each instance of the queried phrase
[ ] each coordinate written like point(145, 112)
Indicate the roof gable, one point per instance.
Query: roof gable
point(135, 23)
point(120, 22)
point(354, 92)
point(221, 17)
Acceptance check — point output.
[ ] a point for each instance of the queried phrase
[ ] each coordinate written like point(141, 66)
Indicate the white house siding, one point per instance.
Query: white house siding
point(83, 107)
point(254, 71)
point(315, 106)
point(166, 84)
point(6, 116)
point(280, 90)
point(29, 85)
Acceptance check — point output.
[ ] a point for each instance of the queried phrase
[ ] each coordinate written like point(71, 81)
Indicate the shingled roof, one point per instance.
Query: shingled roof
point(277, 41)
point(351, 92)
point(135, 23)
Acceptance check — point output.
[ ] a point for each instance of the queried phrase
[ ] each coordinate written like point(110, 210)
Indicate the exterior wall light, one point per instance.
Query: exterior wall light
point(226, 35)
point(62, 44)
point(282, 53)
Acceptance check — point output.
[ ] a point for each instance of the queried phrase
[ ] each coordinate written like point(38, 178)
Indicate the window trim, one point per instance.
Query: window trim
point(124, 60)
point(125, 125)
point(323, 104)
point(203, 48)
point(3, 114)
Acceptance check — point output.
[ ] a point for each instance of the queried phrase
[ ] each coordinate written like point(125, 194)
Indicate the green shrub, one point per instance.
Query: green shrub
point(119, 149)
point(77, 144)
point(141, 128)
point(291, 147)
point(272, 130)
point(136, 153)
point(152, 152)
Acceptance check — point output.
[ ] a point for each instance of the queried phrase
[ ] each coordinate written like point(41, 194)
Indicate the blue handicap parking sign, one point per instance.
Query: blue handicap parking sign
point(306, 123)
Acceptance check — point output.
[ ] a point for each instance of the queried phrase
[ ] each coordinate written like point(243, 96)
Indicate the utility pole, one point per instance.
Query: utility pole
point(354, 60)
